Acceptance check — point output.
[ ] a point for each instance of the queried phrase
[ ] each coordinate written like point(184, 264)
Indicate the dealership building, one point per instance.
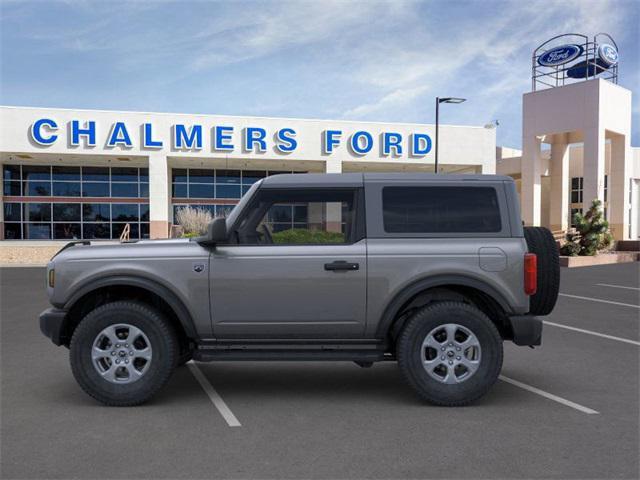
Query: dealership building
point(85, 174)
point(89, 174)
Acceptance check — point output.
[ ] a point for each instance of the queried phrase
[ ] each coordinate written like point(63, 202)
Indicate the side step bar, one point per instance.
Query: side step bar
point(300, 350)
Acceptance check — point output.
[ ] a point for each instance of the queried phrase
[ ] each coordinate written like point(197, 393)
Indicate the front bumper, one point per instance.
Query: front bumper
point(52, 325)
point(527, 330)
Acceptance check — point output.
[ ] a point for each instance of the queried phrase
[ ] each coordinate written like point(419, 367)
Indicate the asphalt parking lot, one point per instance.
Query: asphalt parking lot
point(569, 409)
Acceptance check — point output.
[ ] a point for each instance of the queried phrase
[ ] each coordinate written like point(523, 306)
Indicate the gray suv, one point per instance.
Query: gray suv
point(431, 271)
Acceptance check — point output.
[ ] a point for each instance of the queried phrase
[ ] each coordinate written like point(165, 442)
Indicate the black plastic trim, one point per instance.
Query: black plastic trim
point(394, 306)
point(527, 330)
point(52, 324)
point(181, 311)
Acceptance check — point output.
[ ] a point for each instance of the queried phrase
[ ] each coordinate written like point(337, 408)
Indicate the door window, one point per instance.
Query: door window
point(293, 217)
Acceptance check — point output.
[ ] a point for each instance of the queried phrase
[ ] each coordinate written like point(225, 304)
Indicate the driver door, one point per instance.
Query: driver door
point(295, 267)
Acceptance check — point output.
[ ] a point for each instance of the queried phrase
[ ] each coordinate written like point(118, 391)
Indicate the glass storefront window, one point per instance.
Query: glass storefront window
point(66, 189)
point(37, 189)
point(12, 189)
point(66, 173)
point(124, 190)
point(95, 174)
point(197, 190)
point(37, 212)
point(36, 172)
point(96, 212)
point(95, 189)
point(124, 212)
point(66, 212)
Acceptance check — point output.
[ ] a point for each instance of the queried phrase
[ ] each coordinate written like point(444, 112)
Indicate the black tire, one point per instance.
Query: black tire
point(541, 242)
point(164, 347)
point(410, 353)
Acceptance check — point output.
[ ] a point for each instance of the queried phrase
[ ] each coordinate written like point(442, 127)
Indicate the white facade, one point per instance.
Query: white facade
point(594, 113)
point(166, 143)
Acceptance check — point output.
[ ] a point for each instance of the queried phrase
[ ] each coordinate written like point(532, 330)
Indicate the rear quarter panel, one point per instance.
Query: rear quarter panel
point(394, 264)
point(396, 260)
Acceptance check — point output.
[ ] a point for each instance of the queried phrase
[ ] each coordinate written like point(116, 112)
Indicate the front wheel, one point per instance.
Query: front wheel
point(450, 353)
point(123, 352)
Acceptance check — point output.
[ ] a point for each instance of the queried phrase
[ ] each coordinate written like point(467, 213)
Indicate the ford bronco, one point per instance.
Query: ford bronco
point(431, 271)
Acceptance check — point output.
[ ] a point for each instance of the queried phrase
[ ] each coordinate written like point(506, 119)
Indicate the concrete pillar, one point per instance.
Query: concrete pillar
point(333, 214)
point(618, 188)
point(531, 180)
point(159, 197)
point(559, 197)
point(593, 166)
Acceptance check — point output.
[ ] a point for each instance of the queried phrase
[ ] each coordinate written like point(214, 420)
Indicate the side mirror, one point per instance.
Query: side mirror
point(217, 231)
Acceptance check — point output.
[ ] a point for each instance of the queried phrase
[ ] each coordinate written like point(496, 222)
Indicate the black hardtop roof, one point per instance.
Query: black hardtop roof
point(358, 179)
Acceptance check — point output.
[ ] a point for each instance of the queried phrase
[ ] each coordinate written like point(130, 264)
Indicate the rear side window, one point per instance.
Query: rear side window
point(440, 210)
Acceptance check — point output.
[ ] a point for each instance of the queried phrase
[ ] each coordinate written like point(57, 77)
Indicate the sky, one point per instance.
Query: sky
point(352, 60)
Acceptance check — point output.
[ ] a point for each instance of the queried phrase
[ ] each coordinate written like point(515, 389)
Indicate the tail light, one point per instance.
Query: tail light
point(530, 273)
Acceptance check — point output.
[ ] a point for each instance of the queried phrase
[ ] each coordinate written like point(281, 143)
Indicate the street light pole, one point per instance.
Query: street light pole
point(437, 128)
point(438, 102)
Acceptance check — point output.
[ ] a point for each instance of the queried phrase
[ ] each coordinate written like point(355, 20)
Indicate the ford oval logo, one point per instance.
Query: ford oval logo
point(608, 54)
point(560, 55)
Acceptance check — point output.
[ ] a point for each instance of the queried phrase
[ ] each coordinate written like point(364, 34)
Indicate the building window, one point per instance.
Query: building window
point(202, 185)
point(576, 189)
point(63, 212)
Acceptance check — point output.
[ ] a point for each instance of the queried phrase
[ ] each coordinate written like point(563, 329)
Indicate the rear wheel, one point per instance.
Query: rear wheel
point(122, 353)
point(541, 242)
point(450, 353)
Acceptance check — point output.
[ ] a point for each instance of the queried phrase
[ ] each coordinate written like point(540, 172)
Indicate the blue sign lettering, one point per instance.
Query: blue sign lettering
point(286, 140)
point(420, 144)
point(255, 136)
point(330, 139)
point(119, 136)
point(221, 137)
point(89, 132)
point(391, 140)
point(147, 138)
point(358, 147)
point(36, 131)
point(186, 139)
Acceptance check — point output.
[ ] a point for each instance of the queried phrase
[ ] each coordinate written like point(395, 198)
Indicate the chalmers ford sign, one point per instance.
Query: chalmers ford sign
point(45, 132)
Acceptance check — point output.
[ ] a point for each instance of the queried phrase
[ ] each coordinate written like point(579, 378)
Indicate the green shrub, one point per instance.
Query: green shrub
point(591, 235)
point(303, 236)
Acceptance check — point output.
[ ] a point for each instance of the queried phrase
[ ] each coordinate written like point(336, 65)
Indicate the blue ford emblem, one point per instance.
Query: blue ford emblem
point(560, 55)
point(608, 54)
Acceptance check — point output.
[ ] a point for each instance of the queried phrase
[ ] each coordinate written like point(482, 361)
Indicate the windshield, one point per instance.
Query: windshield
point(233, 215)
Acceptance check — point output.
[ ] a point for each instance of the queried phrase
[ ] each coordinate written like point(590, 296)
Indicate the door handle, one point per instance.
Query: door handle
point(340, 266)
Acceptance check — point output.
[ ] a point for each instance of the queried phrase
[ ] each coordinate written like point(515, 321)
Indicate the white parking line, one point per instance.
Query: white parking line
point(616, 286)
point(215, 398)
point(548, 395)
point(599, 300)
point(610, 337)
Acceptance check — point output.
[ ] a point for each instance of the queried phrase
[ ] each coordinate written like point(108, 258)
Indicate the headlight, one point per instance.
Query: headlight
point(52, 277)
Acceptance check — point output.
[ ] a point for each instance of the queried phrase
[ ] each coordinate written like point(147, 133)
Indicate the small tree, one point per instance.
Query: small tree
point(194, 221)
point(591, 235)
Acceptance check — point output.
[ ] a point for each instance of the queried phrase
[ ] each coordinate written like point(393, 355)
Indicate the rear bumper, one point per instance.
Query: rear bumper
point(52, 323)
point(527, 330)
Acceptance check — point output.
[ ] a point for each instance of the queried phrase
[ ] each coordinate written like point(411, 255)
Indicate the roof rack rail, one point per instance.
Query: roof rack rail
point(71, 244)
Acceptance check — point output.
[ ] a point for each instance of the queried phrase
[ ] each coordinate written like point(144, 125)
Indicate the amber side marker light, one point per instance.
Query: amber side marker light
point(530, 273)
point(52, 277)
